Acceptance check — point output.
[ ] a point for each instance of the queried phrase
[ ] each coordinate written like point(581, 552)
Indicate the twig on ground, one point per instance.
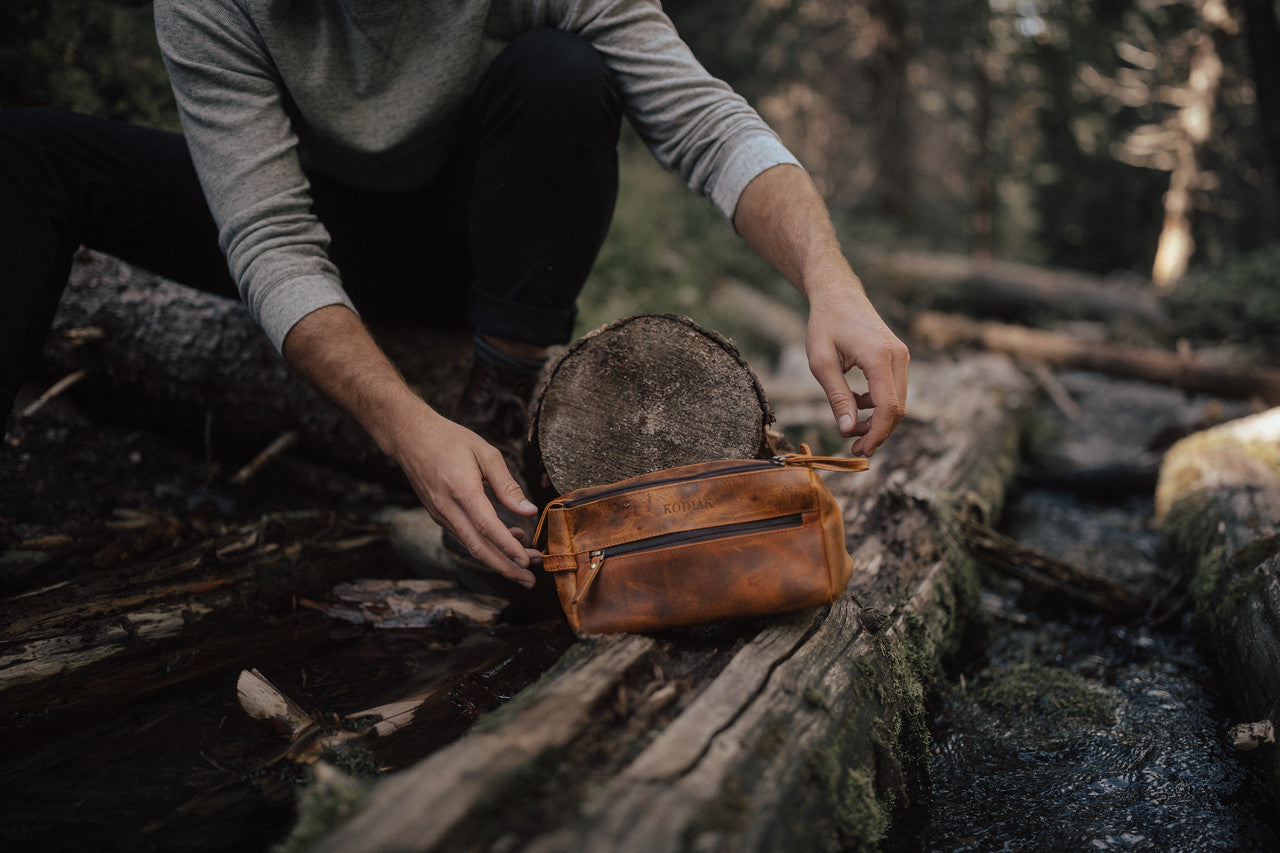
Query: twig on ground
point(66, 382)
point(273, 451)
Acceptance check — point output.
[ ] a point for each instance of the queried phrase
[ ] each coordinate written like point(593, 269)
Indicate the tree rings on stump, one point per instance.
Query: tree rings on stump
point(645, 393)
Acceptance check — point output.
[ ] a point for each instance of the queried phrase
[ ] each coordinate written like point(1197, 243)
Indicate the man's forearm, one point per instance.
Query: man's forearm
point(334, 351)
point(782, 217)
point(446, 464)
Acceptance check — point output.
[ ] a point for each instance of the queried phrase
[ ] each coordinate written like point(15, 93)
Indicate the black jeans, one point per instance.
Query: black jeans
point(502, 242)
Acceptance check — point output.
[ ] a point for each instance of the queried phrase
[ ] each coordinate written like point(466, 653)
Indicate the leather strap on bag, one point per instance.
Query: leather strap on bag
point(826, 463)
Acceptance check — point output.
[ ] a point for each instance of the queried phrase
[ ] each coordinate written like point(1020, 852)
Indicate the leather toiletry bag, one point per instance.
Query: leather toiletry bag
point(698, 543)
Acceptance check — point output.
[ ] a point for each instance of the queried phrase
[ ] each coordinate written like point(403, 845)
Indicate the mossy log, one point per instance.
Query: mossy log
point(1219, 499)
point(796, 732)
point(164, 352)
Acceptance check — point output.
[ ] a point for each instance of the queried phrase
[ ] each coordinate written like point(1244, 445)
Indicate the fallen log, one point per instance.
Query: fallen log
point(1063, 350)
point(473, 677)
point(1219, 503)
point(755, 315)
point(165, 352)
point(1237, 455)
point(115, 636)
point(645, 393)
point(793, 732)
point(1010, 290)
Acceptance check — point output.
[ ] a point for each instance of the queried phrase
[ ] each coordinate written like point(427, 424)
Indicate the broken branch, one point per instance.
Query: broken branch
point(1063, 350)
point(1078, 585)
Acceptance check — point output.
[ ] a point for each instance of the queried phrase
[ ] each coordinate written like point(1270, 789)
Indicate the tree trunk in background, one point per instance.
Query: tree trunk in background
point(983, 184)
point(1195, 123)
point(1262, 35)
point(891, 142)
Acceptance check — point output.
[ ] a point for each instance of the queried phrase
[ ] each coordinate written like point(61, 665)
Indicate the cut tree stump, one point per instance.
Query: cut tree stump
point(794, 732)
point(1219, 500)
point(644, 393)
point(171, 353)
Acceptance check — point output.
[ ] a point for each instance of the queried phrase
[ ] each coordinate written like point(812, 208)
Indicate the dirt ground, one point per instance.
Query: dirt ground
point(149, 749)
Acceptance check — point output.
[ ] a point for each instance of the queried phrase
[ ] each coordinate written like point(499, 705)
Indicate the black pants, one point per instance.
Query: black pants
point(502, 242)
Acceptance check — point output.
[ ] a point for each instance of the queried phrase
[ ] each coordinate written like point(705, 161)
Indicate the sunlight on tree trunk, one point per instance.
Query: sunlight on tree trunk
point(1194, 124)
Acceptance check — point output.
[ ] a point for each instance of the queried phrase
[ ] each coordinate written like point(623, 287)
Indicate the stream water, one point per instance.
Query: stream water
point(1074, 733)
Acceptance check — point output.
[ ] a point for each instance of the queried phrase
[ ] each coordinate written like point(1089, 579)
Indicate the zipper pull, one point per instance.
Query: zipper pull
point(826, 463)
point(593, 569)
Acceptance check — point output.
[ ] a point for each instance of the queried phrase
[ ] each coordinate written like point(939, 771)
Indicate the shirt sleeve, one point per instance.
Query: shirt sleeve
point(245, 151)
point(694, 123)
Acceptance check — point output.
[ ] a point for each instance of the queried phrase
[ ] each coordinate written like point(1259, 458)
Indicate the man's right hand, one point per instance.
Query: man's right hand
point(447, 464)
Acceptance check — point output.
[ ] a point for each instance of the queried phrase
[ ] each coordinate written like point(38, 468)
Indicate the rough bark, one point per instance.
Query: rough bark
point(169, 352)
point(1219, 498)
point(646, 393)
point(793, 732)
point(1063, 350)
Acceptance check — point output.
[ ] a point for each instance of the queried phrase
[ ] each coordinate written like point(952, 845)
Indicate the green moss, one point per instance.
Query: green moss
point(1219, 583)
point(898, 676)
point(1224, 585)
point(1046, 692)
point(355, 761)
point(327, 800)
point(860, 787)
point(860, 819)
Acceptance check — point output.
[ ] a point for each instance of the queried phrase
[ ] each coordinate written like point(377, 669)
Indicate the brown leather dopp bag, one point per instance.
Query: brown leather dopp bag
point(698, 543)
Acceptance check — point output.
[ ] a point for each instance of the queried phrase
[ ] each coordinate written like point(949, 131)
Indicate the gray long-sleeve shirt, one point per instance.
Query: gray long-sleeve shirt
point(371, 92)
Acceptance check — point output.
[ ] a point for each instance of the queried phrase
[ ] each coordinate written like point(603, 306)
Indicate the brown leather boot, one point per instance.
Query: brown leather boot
point(495, 405)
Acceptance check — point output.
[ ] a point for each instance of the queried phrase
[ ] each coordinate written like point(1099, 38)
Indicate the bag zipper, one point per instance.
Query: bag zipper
point(621, 489)
point(686, 537)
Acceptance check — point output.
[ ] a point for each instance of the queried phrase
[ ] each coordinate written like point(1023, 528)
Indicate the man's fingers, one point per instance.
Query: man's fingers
point(493, 544)
point(504, 486)
point(887, 394)
point(844, 406)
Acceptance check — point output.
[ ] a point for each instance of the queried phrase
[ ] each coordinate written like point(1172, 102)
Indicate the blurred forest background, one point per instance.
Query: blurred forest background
point(1109, 136)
